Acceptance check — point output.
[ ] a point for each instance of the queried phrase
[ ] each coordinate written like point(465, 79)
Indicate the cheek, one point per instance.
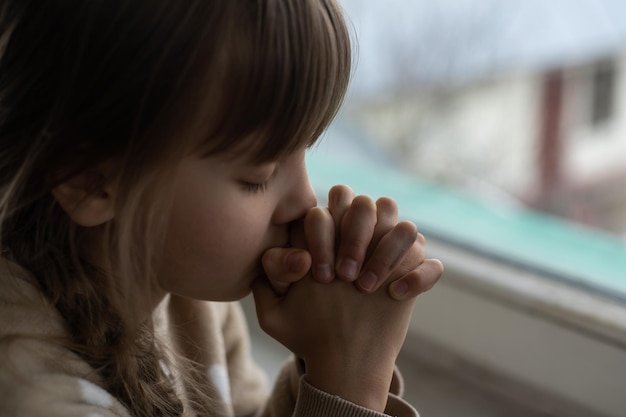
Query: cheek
point(214, 247)
point(215, 235)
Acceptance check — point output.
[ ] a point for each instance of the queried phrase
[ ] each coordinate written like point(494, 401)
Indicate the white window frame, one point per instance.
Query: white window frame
point(529, 332)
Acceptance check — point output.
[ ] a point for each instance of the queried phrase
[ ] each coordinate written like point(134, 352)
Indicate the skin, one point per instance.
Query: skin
point(221, 223)
point(349, 336)
point(237, 227)
point(328, 325)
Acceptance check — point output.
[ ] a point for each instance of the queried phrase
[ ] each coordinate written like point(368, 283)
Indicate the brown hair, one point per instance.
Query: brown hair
point(82, 83)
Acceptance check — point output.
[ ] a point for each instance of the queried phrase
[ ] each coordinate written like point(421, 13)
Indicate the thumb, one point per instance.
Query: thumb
point(265, 302)
point(284, 266)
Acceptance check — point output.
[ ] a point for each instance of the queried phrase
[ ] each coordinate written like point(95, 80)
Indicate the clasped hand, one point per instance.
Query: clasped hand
point(341, 297)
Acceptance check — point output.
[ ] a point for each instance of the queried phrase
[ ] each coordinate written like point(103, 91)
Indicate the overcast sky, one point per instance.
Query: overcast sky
point(453, 38)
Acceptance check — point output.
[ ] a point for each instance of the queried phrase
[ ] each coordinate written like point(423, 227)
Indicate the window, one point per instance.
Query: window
point(449, 92)
point(603, 92)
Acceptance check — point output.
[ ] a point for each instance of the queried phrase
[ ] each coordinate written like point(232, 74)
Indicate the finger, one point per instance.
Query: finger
point(284, 266)
point(319, 229)
point(388, 255)
point(413, 259)
point(265, 302)
point(418, 281)
point(339, 200)
point(357, 229)
point(386, 219)
point(398, 253)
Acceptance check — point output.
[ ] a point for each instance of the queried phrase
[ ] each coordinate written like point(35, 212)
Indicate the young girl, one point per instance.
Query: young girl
point(152, 156)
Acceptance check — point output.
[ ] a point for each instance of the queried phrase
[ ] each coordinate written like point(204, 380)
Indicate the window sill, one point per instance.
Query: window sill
point(564, 342)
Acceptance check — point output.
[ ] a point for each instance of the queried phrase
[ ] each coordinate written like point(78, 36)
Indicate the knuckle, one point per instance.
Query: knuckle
point(417, 251)
point(381, 265)
point(360, 218)
point(407, 230)
point(387, 204)
point(439, 268)
point(430, 275)
point(315, 211)
point(393, 264)
point(340, 189)
point(362, 209)
point(364, 201)
point(410, 261)
point(355, 246)
point(339, 194)
point(315, 216)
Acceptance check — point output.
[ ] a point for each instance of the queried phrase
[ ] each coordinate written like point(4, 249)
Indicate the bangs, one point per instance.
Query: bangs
point(282, 82)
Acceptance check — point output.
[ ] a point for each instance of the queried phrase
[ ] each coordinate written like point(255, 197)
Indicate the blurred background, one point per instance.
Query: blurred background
point(521, 100)
point(500, 128)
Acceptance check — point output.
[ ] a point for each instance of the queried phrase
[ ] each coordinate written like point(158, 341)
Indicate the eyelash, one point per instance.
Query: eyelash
point(254, 188)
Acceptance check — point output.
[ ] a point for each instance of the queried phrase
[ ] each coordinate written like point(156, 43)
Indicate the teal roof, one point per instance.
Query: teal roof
point(555, 247)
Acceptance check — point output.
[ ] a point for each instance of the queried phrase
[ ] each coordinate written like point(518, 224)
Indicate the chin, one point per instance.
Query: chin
point(243, 294)
point(234, 294)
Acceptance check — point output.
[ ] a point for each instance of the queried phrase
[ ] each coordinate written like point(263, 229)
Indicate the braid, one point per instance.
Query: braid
point(125, 356)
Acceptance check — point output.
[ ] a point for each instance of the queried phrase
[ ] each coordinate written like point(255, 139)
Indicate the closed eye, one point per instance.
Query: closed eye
point(254, 188)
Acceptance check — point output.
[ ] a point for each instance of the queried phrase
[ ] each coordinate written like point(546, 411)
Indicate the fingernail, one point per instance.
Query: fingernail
point(368, 281)
point(323, 273)
point(399, 289)
point(348, 268)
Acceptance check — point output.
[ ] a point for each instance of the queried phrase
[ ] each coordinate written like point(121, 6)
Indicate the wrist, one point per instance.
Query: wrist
point(363, 385)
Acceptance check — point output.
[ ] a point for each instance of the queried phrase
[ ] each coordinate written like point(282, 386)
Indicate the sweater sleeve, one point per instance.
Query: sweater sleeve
point(294, 396)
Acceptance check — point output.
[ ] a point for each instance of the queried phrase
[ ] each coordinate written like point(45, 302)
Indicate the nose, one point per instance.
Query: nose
point(299, 198)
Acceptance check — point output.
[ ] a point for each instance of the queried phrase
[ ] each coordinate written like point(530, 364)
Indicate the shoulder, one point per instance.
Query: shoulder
point(36, 371)
point(23, 308)
point(56, 395)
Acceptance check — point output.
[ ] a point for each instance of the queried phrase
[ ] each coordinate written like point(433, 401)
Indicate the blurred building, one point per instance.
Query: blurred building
point(523, 101)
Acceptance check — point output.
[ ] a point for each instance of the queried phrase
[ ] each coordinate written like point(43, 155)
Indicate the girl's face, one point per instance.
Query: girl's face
point(226, 213)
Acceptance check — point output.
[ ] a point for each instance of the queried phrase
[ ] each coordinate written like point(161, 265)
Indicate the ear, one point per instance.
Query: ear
point(88, 198)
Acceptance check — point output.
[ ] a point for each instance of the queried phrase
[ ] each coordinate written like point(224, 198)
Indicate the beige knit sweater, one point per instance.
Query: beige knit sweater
point(39, 378)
